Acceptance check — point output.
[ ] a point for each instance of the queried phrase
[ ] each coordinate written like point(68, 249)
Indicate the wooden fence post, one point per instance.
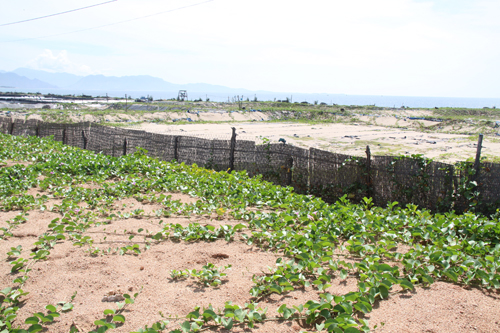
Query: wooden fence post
point(176, 147)
point(64, 136)
point(477, 163)
point(37, 130)
point(85, 140)
point(369, 171)
point(231, 152)
point(289, 171)
point(125, 147)
point(11, 129)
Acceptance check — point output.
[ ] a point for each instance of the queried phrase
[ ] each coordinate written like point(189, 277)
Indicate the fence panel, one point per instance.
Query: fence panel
point(489, 186)
point(52, 129)
point(271, 162)
point(25, 128)
point(300, 169)
point(135, 139)
point(5, 125)
point(244, 156)
point(333, 175)
point(101, 139)
point(76, 135)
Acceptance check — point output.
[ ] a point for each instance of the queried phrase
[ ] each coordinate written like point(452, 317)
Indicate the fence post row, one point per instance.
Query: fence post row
point(231, 152)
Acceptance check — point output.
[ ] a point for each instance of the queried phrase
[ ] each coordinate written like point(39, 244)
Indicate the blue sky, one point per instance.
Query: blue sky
point(386, 47)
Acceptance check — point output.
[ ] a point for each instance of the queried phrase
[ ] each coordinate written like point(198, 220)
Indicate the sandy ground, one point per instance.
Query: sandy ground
point(350, 139)
point(442, 308)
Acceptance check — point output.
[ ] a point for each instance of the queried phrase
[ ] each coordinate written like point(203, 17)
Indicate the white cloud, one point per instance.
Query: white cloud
point(59, 63)
point(390, 47)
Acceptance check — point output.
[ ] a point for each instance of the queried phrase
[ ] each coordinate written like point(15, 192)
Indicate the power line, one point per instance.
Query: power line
point(68, 11)
point(110, 24)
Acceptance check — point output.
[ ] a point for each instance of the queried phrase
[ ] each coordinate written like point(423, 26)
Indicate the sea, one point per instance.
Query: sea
point(330, 99)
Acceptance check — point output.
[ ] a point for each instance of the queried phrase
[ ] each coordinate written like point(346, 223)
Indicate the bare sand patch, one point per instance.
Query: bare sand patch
point(444, 307)
point(8, 163)
point(70, 269)
point(183, 198)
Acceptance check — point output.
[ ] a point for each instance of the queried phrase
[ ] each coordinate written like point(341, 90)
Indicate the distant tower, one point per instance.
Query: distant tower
point(183, 94)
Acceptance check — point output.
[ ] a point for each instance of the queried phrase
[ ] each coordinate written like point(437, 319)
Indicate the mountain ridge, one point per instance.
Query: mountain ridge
point(45, 79)
point(13, 80)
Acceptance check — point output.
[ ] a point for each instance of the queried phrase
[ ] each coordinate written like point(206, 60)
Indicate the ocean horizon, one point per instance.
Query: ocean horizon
point(339, 99)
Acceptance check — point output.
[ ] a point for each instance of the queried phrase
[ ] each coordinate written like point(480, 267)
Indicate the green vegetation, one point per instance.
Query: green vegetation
point(209, 275)
point(315, 242)
point(451, 120)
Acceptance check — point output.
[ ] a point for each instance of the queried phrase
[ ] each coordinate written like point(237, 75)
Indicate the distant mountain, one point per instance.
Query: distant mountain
point(205, 87)
point(61, 80)
point(142, 83)
point(138, 83)
point(13, 80)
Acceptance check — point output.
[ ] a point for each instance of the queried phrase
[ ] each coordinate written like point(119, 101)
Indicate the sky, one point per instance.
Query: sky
point(440, 48)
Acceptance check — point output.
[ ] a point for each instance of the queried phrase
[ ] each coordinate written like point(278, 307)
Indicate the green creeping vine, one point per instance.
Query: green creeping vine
point(113, 318)
point(209, 275)
point(316, 243)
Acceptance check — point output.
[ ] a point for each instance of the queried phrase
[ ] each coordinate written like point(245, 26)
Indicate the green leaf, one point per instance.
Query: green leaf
point(35, 328)
point(228, 324)
point(31, 320)
point(362, 307)
point(120, 318)
point(352, 330)
point(67, 307)
point(51, 308)
point(193, 315)
point(451, 275)
point(6, 290)
point(384, 292)
point(406, 284)
point(209, 314)
point(102, 329)
point(319, 327)
point(347, 307)
point(186, 326)
point(109, 312)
